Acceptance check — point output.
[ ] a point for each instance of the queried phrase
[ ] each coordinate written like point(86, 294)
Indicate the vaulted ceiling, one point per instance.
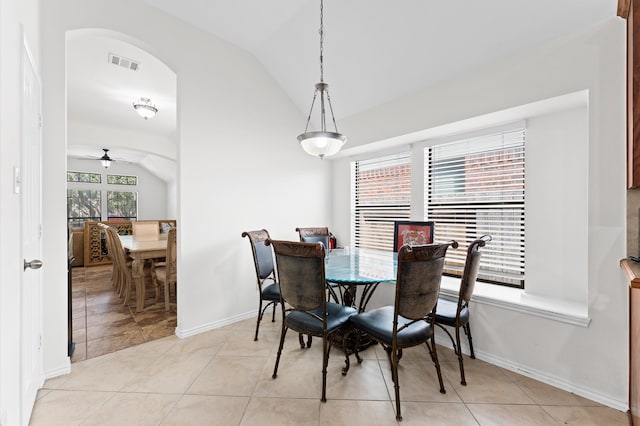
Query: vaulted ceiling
point(374, 50)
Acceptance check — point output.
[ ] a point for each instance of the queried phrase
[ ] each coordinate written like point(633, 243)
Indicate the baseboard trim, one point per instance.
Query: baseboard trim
point(541, 376)
point(184, 333)
point(60, 371)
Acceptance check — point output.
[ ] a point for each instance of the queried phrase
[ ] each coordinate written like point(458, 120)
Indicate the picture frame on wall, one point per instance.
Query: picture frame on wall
point(412, 233)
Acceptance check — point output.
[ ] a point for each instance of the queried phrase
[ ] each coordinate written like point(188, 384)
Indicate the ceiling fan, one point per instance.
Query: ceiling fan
point(105, 160)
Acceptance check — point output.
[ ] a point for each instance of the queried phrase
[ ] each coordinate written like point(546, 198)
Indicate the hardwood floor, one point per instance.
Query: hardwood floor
point(103, 324)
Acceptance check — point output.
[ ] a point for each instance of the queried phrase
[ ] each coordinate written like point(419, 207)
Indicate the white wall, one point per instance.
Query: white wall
point(18, 19)
point(587, 237)
point(239, 163)
point(152, 191)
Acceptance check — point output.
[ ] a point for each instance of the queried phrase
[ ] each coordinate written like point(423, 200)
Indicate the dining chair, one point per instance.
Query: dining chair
point(306, 310)
point(268, 288)
point(116, 280)
point(456, 315)
point(408, 323)
point(166, 272)
point(146, 229)
point(412, 233)
point(320, 234)
point(315, 234)
point(122, 262)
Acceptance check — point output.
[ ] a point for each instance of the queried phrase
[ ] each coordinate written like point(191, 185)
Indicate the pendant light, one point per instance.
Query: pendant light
point(322, 143)
point(105, 160)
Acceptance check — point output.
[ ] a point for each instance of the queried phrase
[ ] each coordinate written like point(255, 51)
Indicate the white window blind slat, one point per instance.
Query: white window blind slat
point(381, 194)
point(475, 187)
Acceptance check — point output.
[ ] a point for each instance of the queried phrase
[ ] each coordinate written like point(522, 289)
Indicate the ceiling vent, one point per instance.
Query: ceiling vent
point(123, 62)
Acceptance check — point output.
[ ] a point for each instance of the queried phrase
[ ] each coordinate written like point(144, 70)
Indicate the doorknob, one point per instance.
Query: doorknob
point(34, 264)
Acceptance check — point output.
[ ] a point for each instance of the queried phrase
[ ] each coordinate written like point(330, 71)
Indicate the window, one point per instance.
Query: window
point(122, 180)
point(84, 177)
point(475, 187)
point(122, 205)
point(380, 194)
point(89, 196)
point(83, 206)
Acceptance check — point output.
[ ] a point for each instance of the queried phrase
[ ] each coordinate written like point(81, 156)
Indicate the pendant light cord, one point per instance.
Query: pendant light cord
point(321, 41)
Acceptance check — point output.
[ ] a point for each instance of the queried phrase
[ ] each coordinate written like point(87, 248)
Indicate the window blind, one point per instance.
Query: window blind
point(380, 194)
point(475, 187)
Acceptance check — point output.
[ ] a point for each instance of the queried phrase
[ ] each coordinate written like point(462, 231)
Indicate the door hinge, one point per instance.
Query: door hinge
point(39, 342)
point(40, 120)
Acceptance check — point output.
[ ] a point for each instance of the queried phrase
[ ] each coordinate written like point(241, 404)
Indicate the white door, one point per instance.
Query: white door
point(31, 373)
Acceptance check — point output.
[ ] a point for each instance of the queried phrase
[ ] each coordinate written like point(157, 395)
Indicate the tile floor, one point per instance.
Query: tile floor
point(102, 324)
point(223, 377)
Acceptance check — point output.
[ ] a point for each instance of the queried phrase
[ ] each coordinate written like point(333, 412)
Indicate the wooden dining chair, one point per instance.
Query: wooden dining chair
point(146, 229)
point(306, 310)
point(123, 263)
point(457, 315)
point(410, 322)
point(165, 273)
point(116, 280)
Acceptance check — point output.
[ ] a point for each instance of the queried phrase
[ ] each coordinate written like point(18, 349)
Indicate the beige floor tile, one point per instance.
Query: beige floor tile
point(209, 342)
point(297, 378)
point(418, 382)
point(485, 384)
point(545, 394)
point(504, 414)
point(587, 416)
point(196, 410)
point(133, 409)
point(232, 376)
point(60, 407)
point(363, 381)
point(106, 373)
point(436, 414)
point(357, 413)
point(169, 374)
point(282, 412)
point(242, 344)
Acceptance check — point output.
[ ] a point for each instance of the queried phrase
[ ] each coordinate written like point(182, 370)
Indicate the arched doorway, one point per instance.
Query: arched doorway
point(106, 73)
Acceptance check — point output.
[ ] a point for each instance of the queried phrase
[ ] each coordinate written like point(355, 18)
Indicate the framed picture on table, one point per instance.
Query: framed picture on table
point(412, 233)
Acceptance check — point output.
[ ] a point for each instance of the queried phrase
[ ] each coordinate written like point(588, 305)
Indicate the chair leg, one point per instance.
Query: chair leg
point(167, 306)
point(467, 331)
point(434, 355)
point(282, 334)
point(393, 357)
point(326, 348)
point(463, 381)
point(258, 321)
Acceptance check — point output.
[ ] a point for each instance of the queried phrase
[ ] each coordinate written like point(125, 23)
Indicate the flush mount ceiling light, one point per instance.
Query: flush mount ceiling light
point(321, 143)
point(145, 108)
point(105, 160)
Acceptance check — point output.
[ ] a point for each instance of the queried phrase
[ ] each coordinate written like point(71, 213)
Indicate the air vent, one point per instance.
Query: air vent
point(123, 62)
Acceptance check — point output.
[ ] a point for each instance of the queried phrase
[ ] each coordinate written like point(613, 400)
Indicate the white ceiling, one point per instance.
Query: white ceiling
point(375, 50)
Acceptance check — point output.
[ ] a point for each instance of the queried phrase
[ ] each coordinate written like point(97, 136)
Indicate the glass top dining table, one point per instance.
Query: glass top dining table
point(348, 269)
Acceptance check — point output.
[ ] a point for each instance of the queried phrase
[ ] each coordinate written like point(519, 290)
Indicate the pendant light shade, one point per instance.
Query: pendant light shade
point(145, 108)
point(322, 143)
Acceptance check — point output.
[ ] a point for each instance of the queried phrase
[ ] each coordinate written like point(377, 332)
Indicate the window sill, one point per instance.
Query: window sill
point(518, 300)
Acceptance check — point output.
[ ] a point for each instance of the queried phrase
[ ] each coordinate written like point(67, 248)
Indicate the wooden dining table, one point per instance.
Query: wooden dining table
point(140, 250)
